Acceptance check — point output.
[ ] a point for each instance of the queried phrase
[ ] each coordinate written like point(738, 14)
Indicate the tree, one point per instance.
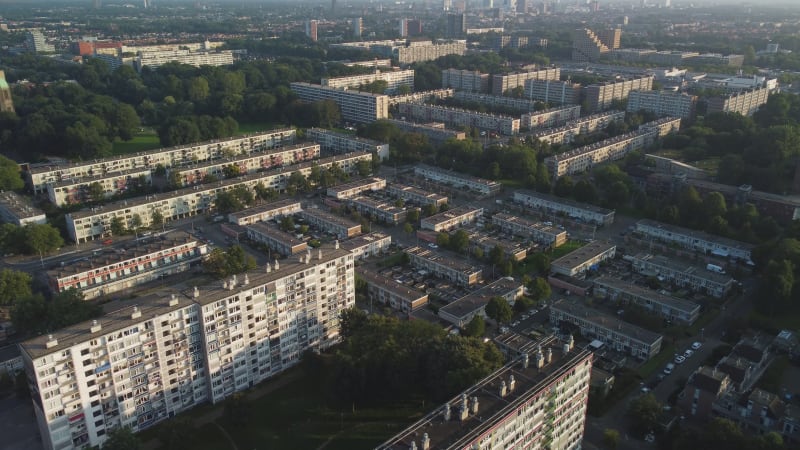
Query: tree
point(610, 438)
point(136, 222)
point(443, 240)
point(175, 433)
point(540, 262)
point(459, 241)
point(156, 218)
point(564, 186)
point(539, 289)
point(522, 304)
point(584, 191)
point(412, 216)
point(287, 223)
point(223, 263)
point(364, 168)
point(13, 285)
point(497, 255)
point(351, 320)
point(618, 194)
point(231, 171)
point(476, 327)
point(96, 192)
point(122, 439)
point(408, 228)
point(42, 238)
point(227, 202)
point(499, 310)
point(643, 413)
point(10, 178)
point(117, 226)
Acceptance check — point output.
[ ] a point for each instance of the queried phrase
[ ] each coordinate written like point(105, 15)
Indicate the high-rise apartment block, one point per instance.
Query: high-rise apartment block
point(357, 25)
point(6, 102)
point(745, 102)
point(35, 42)
point(465, 80)
point(311, 29)
point(456, 25)
point(538, 400)
point(426, 51)
point(177, 349)
point(553, 91)
point(393, 78)
point(610, 37)
point(663, 103)
point(587, 46)
point(361, 107)
point(505, 82)
point(601, 96)
point(193, 58)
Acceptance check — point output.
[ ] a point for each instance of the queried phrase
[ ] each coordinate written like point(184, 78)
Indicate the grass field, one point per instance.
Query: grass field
point(147, 140)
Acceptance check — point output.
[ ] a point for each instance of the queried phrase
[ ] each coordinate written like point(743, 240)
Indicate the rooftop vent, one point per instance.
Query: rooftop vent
point(136, 313)
point(503, 389)
point(525, 360)
point(446, 412)
point(95, 327)
point(246, 280)
point(474, 406)
point(196, 292)
point(268, 268)
point(51, 341)
point(336, 244)
point(173, 300)
point(426, 442)
point(277, 266)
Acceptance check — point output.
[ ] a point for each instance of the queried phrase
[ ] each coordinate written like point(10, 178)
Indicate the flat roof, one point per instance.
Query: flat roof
point(452, 213)
point(73, 180)
point(596, 146)
point(278, 204)
point(579, 256)
point(458, 175)
point(639, 291)
point(379, 205)
point(275, 234)
point(326, 216)
point(457, 434)
point(203, 188)
point(158, 304)
point(20, 206)
point(240, 158)
point(699, 235)
point(567, 202)
point(576, 308)
point(390, 285)
point(478, 299)
point(346, 136)
point(364, 239)
point(538, 226)
point(356, 184)
point(416, 191)
point(450, 260)
point(52, 167)
point(684, 266)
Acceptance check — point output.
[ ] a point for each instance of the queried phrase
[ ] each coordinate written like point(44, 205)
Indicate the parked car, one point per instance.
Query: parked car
point(697, 345)
point(679, 359)
point(688, 353)
point(668, 370)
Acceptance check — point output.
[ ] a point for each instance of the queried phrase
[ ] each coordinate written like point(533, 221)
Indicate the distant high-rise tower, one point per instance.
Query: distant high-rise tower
point(333, 6)
point(147, 3)
point(96, 4)
point(414, 27)
point(36, 42)
point(456, 24)
point(611, 38)
point(403, 28)
point(447, 5)
point(311, 29)
point(357, 25)
point(6, 102)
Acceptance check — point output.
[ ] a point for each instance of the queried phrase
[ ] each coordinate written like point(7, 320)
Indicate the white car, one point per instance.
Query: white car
point(679, 359)
point(434, 246)
point(688, 354)
point(696, 345)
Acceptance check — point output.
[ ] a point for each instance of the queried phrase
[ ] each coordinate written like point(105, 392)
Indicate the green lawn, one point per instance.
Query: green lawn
point(568, 247)
point(147, 140)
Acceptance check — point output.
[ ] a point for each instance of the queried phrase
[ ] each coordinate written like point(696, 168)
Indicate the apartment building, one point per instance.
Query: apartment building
point(682, 274)
point(263, 213)
point(552, 117)
point(705, 386)
point(156, 59)
point(744, 102)
point(717, 59)
point(19, 210)
point(72, 191)
point(588, 257)
point(538, 400)
point(393, 78)
point(434, 131)
point(451, 219)
point(566, 134)
point(426, 51)
point(122, 268)
point(460, 312)
point(601, 96)
point(339, 226)
point(465, 80)
point(494, 101)
point(361, 107)
point(338, 143)
point(246, 164)
point(456, 117)
point(444, 266)
point(671, 308)
point(619, 335)
point(585, 158)
point(457, 180)
point(697, 241)
point(6, 100)
point(514, 251)
point(355, 188)
point(610, 37)
point(379, 210)
point(784, 208)
point(141, 364)
point(37, 177)
point(501, 83)
point(391, 293)
point(504, 41)
point(555, 92)
point(36, 42)
point(421, 96)
point(416, 195)
point(547, 235)
point(278, 240)
point(93, 223)
point(550, 204)
point(587, 46)
point(663, 103)
point(366, 245)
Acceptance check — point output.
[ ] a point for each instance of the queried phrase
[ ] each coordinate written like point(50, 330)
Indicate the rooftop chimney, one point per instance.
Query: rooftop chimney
point(549, 356)
point(525, 361)
point(426, 442)
point(277, 266)
point(336, 244)
point(413, 446)
point(196, 292)
point(474, 405)
point(269, 268)
point(173, 300)
point(232, 284)
point(136, 313)
point(503, 389)
point(463, 409)
point(446, 414)
point(95, 327)
point(539, 358)
point(246, 280)
point(319, 253)
point(51, 341)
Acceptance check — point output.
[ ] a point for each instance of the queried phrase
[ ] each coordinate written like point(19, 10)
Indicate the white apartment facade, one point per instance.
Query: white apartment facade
point(421, 51)
point(157, 59)
point(566, 134)
point(361, 107)
point(393, 78)
point(668, 307)
point(335, 142)
point(356, 188)
point(39, 176)
point(442, 266)
point(72, 191)
point(553, 91)
point(276, 239)
point(518, 104)
point(266, 212)
point(682, 274)
point(465, 80)
point(95, 223)
point(695, 240)
point(538, 232)
point(366, 245)
point(435, 132)
point(479, 185)
point(142, 364)
point(561, 206)
point(504, 82)
point(506, 125)
point(381, 211)
point(552, 117)
point(583, 259)
point(452, 218)
point(416, 195)
point(331, 223)
point(663, 103)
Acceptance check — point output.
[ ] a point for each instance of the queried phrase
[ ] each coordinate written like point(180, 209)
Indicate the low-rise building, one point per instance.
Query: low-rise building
point(562, 206)
point(578, 261)
point(331, 223)
point(338, 143)
point(694, 240)
point(278, 240)
point(391, 293)
point(452, 218)
point(381, 211)
point(443, 266)
point(456, 117)
point(547, 235)
point(366, 245)
point(705, 386)
point(263, 213)
point(122, 268)
point(617, 334)
point(436, 133)
point(19, 210)
point(760, 412)
point(682, 274)
point(461, 311)
point(668, 307)
point(416, 195)
point(355, 188)
point(361, 107)
point(511, 249)
point(457, 180)
point(538, 400)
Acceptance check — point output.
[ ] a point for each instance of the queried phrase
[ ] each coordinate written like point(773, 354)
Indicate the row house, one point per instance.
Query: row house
point(444, 266)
